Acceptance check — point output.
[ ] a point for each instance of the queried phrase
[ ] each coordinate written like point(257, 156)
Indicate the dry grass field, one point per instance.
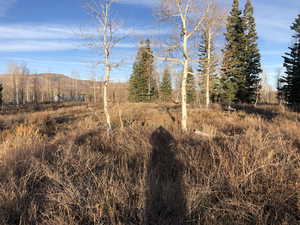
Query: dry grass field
point(59, 167)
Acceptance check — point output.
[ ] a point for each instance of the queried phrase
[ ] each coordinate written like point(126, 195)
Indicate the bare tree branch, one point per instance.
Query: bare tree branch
point(101, 11)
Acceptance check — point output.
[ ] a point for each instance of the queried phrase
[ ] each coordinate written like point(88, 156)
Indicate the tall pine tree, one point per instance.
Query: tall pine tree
point(152, 88)
point(137, 84)
point(166, 86)
point(190, 87)
point(142, 83)
point(252, 57)
point(290, 87)
point(234, 66)
point(203, 65)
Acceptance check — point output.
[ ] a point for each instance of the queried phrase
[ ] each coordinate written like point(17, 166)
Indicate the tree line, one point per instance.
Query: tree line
point(232, 76)
point(20, 87)
point(236, 79)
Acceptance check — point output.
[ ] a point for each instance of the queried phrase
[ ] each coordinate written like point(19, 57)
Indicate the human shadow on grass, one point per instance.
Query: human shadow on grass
point(165, 200)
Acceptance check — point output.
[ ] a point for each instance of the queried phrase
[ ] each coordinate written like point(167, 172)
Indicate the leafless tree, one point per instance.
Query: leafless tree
point(27, 84)
point(95, 83)
point(19, 75)
point(75, 92)
point(14, 77)
point(278, 73)
point(266, 93)
point(214, 21)
point(188, 17)
point(36, 87)
point(107, 26)
point(13, 70)
point(23, 82)
point(49, 89)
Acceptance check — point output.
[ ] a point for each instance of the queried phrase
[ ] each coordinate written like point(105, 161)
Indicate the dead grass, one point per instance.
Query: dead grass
point(59, 167)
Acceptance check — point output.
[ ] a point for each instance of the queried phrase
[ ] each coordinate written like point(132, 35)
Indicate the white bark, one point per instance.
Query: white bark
point(14, 70)
point(106, 63)
point(101, 11)
point(209, 39)
point(105, 105)
point(213, 22)
point(184, 115)
point(184, 12)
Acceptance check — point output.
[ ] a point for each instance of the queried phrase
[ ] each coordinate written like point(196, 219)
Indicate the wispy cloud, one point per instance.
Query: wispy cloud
point(57, 31)
point(48, 45)
point(59, 37)
point(20, 31)
point(44, 61)
point(31, 45)
point(5, 5)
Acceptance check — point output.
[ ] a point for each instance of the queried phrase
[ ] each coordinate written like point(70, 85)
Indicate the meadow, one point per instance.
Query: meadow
point(59, 166)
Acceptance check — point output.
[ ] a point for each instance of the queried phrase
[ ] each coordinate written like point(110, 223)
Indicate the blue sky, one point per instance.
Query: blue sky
point(42, 33)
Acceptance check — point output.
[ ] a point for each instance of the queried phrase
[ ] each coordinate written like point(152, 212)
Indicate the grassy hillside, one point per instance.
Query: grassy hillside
point(60, 167)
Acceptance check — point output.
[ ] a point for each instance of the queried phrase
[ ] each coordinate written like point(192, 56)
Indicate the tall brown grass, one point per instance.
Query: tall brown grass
point(61, 167)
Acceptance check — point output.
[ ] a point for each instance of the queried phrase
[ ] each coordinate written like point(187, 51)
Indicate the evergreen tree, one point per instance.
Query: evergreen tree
point(166, 86)
point(233, 68)
point(1, 94)
point(152, 88)
point(202, 65)
point(136, 87)
point(142, 83)
point(216, 89)
point(190, 87)
point(291, 82)
point(252, 56)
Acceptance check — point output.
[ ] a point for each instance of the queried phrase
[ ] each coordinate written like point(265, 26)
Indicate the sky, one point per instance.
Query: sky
point(47, 35)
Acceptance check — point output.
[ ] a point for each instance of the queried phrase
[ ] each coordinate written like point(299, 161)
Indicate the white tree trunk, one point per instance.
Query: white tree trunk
point(183, 97)
point(106, 65)
point(208, 69)
point(105, 97)
point(184, 79)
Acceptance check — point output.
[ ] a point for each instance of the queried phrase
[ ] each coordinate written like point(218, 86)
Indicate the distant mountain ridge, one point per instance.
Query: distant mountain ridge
point(57, 84)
